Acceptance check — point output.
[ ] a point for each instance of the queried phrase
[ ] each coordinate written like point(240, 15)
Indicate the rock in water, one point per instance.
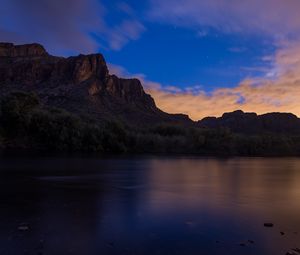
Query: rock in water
point(269, 225)
point(295, 251)
point(23, 228)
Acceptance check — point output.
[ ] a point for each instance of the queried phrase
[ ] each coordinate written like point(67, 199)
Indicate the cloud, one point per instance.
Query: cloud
point(60, 25)
point(147, 84)
point(126, 8)
point(120, 35)
point(278, 92)
point(64, 26)
point(275, 18)
point(202, 33)
point(72, 26)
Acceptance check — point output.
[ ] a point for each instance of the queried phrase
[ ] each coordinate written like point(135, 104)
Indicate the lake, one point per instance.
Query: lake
point(149, 206)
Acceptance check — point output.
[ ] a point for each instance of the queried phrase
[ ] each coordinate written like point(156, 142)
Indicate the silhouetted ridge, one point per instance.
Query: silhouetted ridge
point(241, 122)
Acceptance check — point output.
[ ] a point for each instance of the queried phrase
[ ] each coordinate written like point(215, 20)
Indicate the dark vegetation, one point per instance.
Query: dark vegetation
point(25, 124)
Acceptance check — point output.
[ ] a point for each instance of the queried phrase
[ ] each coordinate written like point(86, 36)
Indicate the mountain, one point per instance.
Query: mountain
point(80, 84)
point(78, 106)
point(83, 85)
point(251, 123)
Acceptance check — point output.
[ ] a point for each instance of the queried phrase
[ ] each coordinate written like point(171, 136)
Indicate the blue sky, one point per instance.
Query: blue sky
point(225, 50)
point(185, 56)
point(169, 53)
point(179, 57)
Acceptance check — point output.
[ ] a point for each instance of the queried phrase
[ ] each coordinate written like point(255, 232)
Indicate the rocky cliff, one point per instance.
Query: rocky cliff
point(80, 84)
point(251, 123)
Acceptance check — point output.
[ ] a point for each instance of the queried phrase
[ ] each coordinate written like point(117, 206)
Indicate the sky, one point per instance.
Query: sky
point(197, 57)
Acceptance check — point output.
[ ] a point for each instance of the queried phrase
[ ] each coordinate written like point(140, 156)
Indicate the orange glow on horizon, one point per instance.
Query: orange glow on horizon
point(278, 91)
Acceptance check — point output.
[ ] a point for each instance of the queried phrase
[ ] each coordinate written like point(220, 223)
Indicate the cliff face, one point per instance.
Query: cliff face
point(29, 50)
point(251, 123)
point(31, 66)
point(80, 84)
point(83, 85)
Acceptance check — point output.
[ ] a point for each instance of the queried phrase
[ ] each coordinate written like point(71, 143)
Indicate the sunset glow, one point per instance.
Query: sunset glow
point(200, 58)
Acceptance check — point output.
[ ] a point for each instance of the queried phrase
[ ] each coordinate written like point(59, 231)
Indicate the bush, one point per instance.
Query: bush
point(92, 139)
point(24, 121)
point(15, 109)
point(115, 137)
point(169, 130)
point(60, 131)
point(1, 142)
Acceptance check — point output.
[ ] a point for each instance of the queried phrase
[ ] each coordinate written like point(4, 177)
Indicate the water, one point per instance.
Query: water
point(149, 206)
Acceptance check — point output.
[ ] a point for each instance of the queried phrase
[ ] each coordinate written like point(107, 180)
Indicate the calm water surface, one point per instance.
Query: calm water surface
point(149, 206)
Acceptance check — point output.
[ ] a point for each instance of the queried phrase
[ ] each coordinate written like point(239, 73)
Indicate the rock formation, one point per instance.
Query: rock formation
point(83, 85)
point(80, 84)
point(251, 123)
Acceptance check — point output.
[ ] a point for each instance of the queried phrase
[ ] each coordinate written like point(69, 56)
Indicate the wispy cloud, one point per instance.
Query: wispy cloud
point(275, 18)
point(280, 92)
point(202, 33)
point(123, 33)
point(125, 7)
point(60, 25)
point(66, 26)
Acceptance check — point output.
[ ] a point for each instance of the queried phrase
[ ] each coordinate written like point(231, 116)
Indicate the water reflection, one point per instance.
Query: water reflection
point(149, 206)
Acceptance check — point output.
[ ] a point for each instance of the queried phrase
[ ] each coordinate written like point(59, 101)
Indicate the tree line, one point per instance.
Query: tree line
point(26, 124)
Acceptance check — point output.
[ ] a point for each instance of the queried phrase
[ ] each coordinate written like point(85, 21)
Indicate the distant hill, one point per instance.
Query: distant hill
point(80, 84)
point(251, 123)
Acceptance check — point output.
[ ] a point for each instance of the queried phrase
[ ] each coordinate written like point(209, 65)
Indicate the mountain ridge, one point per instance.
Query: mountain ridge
point(80, 84)
point(251, 123)
point(83, 85)
point(73, 104)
